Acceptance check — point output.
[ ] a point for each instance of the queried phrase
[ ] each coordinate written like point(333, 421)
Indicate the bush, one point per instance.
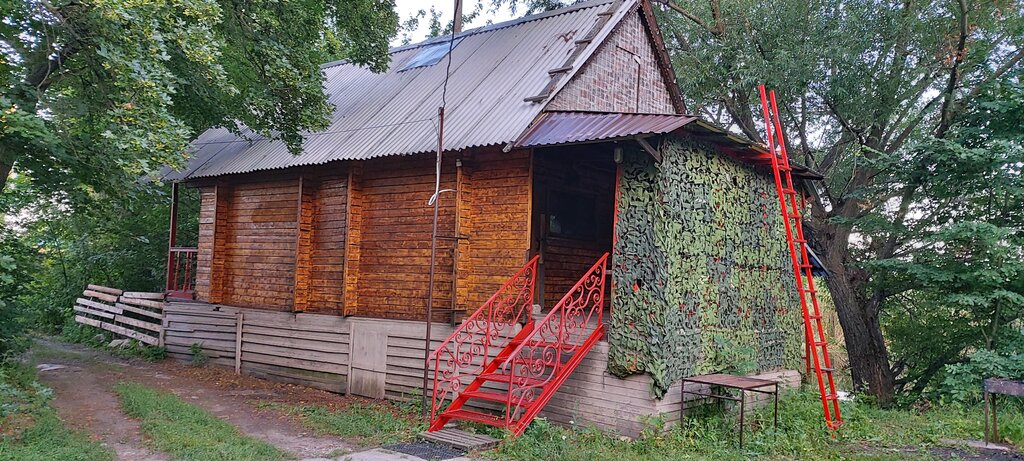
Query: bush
point(963, 381)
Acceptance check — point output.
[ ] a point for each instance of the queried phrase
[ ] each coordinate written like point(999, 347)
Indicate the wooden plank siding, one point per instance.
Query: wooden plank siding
point(316, 350)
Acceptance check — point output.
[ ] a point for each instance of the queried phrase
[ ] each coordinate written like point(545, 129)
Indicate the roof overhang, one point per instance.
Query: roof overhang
point(563, 128)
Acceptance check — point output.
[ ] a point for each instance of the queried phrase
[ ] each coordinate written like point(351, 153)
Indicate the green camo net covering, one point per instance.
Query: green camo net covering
point(703, 281)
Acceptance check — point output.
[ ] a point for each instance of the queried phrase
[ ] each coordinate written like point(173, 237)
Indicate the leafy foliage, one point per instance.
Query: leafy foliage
point(98, 93)
point(958, 291)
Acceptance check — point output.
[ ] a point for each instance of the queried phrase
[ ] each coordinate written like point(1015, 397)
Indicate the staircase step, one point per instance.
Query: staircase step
point(460, 439)
point(494, 397)
point(469, 415)
point(503, 378)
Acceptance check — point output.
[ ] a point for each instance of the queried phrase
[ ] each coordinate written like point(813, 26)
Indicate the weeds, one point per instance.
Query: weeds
point(367, 424)
point(870, 433)
point(29, 428)
point(188, 432)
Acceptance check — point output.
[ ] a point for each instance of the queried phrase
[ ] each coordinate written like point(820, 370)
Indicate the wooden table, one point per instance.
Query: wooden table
point(740, 383)
point(993, 386)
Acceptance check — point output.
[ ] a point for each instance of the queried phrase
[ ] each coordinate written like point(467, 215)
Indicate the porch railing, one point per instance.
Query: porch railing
point(181, 272)
point(468, 351)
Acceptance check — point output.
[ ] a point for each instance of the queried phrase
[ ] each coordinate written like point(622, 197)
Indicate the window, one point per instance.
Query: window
point(573, 216)
point(430, 54)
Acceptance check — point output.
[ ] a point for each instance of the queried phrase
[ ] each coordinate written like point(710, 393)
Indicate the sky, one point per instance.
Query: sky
point(408, 8)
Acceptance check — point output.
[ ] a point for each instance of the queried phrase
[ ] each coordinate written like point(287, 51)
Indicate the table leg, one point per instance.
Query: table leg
point(986, 418)
point(743, 412)
point(776, 407)
point(995, 420)
point(682, 404)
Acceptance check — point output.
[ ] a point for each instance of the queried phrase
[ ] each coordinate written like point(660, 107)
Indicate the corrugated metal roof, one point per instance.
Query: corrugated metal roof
point(571, 127)
point(492, 70)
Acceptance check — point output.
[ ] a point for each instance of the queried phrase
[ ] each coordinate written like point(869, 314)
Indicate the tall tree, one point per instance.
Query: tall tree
point(862, 84)
point(97, 92)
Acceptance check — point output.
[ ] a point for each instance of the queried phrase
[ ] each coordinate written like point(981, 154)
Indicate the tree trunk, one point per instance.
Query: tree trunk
point(869, 356)
point(6, 165)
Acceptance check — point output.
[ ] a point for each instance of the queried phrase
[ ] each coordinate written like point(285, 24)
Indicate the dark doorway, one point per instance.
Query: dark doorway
point(573, 214)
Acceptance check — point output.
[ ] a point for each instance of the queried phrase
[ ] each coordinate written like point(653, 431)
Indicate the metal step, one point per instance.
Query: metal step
point(470, 415)
point(503, 378)
point(494, 397)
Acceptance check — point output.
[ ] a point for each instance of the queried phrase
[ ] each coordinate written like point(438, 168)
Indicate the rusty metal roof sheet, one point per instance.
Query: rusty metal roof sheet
point(573, 127)
point(493, 69)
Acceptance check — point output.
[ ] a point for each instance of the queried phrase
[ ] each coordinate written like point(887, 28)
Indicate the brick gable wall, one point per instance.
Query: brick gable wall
point(622, 76)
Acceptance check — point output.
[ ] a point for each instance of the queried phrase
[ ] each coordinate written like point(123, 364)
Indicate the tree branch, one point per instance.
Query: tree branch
point(946, 112)
point(716, 11)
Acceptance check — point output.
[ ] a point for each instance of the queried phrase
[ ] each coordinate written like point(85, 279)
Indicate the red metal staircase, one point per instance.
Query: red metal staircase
point(792, 207)
point(505, 372)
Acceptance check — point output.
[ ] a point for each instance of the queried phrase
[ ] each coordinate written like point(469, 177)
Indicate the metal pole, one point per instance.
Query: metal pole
point(172, 238)
point(433, 255)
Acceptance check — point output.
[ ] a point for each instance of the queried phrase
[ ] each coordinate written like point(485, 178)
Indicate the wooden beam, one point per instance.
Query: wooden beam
point(221, 231)
point(304, 216)
point(648, 148)
point(353, 233)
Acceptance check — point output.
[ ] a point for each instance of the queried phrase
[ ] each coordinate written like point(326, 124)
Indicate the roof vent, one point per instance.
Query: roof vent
point(430, 54)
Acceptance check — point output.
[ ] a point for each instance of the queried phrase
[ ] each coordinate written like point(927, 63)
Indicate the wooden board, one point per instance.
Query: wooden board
point(369, 363)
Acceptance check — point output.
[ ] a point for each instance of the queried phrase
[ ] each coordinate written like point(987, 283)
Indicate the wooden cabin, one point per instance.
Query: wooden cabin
point(565, 138)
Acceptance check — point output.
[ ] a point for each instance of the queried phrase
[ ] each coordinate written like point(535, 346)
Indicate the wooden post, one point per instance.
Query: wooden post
point(172, 238)
point(238, 343)
point(353, 233)
point(305, 214)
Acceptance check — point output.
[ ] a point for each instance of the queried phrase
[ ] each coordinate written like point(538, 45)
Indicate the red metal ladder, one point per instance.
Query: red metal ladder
point(509, 388)
point(792, 205)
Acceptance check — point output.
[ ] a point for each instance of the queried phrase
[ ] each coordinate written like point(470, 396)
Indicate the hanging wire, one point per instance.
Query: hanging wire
point(435, 202)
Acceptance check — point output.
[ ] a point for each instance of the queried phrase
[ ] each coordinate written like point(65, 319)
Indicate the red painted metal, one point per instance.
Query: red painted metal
point(530, 367)
point(181, 272)
point(467, 354)
point(792, 216)
point(555, 348)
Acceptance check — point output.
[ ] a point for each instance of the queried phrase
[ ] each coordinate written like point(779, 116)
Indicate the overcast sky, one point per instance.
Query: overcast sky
point(407, 8)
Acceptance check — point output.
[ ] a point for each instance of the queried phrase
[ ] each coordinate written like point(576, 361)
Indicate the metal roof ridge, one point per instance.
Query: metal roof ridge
point(485, 28)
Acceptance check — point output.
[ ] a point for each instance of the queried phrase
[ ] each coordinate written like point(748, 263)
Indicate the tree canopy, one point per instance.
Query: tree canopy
point(100, 92)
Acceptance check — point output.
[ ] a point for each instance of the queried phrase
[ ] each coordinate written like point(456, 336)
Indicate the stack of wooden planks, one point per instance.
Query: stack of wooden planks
point(129, 314)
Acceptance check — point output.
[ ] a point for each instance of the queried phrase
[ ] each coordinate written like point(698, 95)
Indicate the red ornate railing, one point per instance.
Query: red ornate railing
point(181, 272)
point(545, 357)
point(466, 354)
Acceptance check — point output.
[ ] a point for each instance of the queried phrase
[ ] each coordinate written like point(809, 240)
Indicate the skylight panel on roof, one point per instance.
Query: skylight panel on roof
point(430, 54)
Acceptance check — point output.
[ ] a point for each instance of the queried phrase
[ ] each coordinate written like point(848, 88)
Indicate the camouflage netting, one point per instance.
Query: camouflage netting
point(703, 281)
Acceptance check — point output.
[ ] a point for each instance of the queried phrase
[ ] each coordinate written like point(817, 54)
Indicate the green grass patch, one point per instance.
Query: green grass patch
point(30, 429)
point(367, 424)
point(188, 432)
point(869, 434)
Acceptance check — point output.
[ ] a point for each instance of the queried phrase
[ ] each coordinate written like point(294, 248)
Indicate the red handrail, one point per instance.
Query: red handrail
point(466, 352)
point(181, 272)
point(562, 331)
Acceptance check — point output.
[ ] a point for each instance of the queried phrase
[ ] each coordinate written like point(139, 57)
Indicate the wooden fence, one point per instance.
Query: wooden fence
point(129, 314)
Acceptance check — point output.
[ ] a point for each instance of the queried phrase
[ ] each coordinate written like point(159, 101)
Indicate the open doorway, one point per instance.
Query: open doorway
point(573, 215)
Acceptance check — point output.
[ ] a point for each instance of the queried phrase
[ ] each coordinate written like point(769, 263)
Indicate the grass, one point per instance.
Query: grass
point(188, 432)
point(30, 429)
point(869, 434)
point(367, 424)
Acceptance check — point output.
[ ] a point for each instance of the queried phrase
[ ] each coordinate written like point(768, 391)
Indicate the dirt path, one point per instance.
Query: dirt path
point(83, 380)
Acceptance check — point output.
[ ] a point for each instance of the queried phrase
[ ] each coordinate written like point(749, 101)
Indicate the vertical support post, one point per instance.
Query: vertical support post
point(433, 256)
point(986, 417)
point(239, 320)
point(743, 412)
point(172, 238)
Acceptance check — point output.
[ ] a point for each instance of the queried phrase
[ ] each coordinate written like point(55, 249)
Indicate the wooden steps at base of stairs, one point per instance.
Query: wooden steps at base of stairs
point(460, 439)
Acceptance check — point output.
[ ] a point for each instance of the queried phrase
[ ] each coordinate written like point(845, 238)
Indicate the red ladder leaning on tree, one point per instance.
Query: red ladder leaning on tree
point(791, 204)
